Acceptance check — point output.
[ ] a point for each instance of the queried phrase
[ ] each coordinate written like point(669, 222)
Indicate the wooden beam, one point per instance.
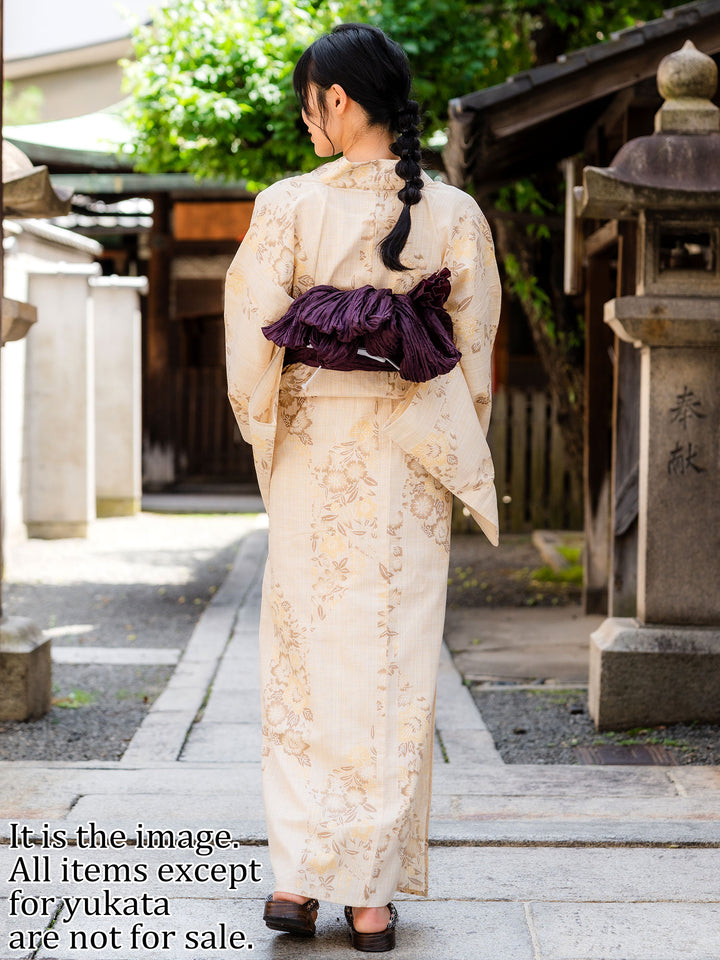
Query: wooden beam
point(157, 399)
point(597, 79)
point(622, 601)
point(572, 260)
point(602, 238)
point(616, 109)
point(228, 220)
point(492, 213)
point(499, 161)
point(597, 438)
point(159, 289)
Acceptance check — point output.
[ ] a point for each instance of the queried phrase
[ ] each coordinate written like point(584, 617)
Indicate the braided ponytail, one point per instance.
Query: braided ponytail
point(407, 147)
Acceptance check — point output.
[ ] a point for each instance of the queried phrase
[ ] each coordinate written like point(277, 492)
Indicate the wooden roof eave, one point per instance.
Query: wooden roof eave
point(507, 117)
point(180, 186)
point(111, 175)
point(490, 162)
point(67, 158)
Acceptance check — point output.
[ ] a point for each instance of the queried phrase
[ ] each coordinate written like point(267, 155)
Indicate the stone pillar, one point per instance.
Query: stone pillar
point(118, 375)
point(679, 518)
point(60, 401)
point(663, 666)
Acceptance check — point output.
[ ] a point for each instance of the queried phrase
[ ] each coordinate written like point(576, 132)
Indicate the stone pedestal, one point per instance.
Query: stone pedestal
point(664, 667)
point(60, 400)
point(118, 375)
point(647, 675)
point(25, 670)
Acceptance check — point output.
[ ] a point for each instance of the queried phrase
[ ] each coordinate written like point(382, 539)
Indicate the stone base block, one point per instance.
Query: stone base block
point(649, 675)
point(25, 670)
point(61, 530)
point(117, 506)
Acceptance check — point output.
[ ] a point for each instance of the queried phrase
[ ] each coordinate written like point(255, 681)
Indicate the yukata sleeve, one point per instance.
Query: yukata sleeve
point(257, 292)
point(474, 302)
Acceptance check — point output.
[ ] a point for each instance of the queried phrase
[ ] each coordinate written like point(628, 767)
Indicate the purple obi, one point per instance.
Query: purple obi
point(369, 329)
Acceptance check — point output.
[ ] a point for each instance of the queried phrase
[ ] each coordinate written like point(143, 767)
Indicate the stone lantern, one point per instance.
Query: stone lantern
point(25, 662)
point(663, 665)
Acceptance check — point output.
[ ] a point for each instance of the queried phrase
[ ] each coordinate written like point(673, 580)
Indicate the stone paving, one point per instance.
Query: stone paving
point(515, 643)
point(527, 862)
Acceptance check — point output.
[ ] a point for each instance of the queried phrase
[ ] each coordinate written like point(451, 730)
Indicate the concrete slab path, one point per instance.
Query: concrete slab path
point(527, 862)
point(521, 643)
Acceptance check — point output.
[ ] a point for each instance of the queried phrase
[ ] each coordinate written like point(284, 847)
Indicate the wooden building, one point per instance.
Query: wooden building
point(179, 233)
point(579, 111)
point(182, 235)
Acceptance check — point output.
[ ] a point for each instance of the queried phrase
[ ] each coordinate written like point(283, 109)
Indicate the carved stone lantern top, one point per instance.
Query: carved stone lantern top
point(687, 81)
point(677, 169)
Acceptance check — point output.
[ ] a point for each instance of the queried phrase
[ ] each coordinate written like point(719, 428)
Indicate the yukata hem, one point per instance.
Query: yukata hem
point(289, 885)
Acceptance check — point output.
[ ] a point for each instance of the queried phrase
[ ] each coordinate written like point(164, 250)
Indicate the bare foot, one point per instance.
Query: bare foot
point(370, 919)
point(293, 898)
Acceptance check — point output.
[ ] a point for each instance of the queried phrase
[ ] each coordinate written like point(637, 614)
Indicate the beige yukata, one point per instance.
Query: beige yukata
point(357, 470)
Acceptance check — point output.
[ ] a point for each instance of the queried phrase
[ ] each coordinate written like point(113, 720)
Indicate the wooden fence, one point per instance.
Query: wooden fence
point(536, 484)
point(537, 488)
point(208, 446)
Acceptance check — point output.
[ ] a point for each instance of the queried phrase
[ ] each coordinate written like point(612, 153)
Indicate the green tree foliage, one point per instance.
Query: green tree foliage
point(454, 47)
point(211, 87)
point(22, 107)
point(211, 83)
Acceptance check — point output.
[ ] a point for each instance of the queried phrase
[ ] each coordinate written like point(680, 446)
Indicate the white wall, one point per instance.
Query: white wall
point(36, 27)
point(29, 246)
point(69, 50)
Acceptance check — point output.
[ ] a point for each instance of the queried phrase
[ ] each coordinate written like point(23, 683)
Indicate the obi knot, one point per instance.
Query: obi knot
point(371, 329)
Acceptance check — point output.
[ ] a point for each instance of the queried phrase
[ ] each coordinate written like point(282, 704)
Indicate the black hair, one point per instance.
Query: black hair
point(374, 72)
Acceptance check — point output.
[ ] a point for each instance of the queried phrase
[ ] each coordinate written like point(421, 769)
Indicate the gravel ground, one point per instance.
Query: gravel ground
point(553, 722)
point(96, 710)
point(481, 575)
point(547, 726)
point(136, 582)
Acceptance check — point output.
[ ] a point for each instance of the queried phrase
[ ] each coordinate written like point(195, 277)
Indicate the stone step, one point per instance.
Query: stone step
point(516, 780)
point(489, 903)
point(469, 873)
point(466, 929)
point(116, 656)
point(50, 790)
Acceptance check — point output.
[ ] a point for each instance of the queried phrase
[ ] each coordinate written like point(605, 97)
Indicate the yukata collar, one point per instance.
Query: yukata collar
point(363, 174)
